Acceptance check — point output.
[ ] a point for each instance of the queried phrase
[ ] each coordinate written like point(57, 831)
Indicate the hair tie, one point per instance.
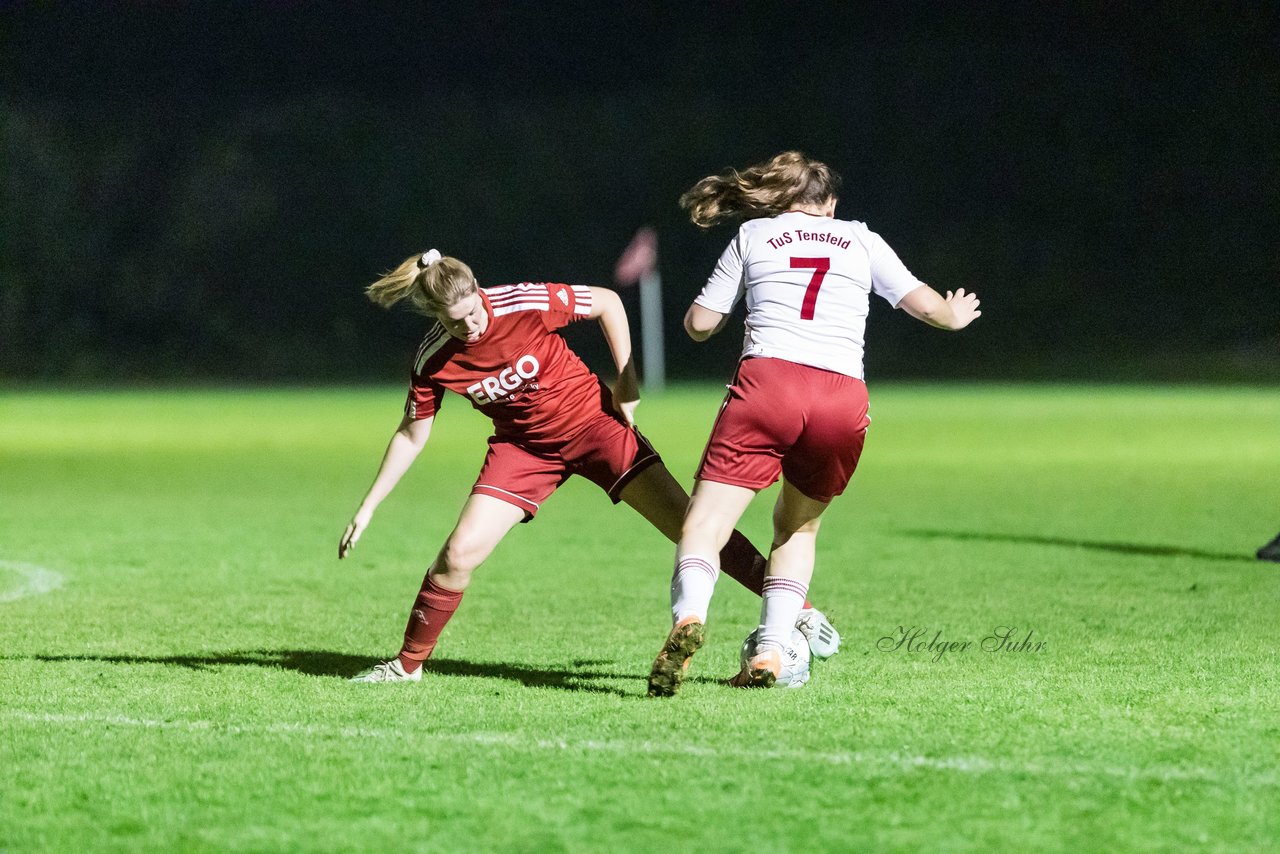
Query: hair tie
point(429, 257)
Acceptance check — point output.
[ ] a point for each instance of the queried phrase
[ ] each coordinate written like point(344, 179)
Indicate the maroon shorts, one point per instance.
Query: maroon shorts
point(783, 418)
point(606, 452)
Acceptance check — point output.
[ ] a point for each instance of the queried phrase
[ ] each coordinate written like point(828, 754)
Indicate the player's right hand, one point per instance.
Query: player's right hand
point(353, 532)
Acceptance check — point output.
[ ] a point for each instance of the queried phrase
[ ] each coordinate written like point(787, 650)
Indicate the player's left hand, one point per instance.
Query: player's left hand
point(626, 409)
point(626, 395)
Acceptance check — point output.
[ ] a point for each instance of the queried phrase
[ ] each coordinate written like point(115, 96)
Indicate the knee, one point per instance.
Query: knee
point(786, 526)
point(463, 552)
point(705, 530)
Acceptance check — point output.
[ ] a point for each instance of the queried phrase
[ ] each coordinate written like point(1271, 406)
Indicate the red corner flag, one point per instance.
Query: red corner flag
point(638, 259)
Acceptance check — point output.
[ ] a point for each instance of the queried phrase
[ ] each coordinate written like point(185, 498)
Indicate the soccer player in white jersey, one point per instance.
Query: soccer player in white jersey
point(797, 407)
point(552, 417)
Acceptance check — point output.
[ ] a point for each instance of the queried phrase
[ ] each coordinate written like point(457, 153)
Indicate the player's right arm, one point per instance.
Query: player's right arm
point(701, 322)
point(724, 288)
point(405, 445)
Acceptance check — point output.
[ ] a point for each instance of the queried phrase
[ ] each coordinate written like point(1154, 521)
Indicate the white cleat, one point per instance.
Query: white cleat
point(388, 671)
point(824, 640)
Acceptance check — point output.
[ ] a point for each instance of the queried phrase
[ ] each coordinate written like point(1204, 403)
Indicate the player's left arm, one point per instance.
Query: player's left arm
point(607, 307)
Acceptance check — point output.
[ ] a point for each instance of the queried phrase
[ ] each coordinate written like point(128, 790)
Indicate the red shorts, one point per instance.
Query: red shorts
point(780, 417)
point(606, 452)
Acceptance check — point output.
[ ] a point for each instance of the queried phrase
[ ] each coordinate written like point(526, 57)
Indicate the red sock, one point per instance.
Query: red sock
point(431, 610)
point(744, 564)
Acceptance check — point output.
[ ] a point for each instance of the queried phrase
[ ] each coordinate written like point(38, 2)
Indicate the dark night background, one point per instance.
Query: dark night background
point(201, 190)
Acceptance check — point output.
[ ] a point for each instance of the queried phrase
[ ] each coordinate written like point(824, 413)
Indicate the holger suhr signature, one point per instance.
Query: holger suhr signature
point(918, 639)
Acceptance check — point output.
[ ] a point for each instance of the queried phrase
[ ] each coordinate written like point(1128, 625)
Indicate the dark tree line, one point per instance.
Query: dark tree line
point(189, 196)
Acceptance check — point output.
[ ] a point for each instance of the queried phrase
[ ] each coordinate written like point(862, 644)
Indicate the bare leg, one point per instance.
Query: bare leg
point(796, 519)
point(659, 498)
point(713, 512)
point(483, 523)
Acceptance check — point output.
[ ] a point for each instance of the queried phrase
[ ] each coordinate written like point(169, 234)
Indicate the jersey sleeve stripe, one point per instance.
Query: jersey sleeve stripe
point(521, 298)
point(581, 299)
point(517, 293)
point(521, 290)
point(499, 311)
point(435, 339)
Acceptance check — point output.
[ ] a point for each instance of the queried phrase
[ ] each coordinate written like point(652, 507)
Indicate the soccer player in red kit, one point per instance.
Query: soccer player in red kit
point(797, 407)
point(552, 419)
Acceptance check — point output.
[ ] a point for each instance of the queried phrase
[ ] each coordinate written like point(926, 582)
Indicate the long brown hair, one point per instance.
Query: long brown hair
point(765, 189)
point(430, 281)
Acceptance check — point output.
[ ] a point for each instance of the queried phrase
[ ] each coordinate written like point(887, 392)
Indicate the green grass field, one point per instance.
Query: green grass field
point(175, 632)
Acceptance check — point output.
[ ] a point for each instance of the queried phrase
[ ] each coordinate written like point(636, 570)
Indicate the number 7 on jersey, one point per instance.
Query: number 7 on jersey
point(819, 266)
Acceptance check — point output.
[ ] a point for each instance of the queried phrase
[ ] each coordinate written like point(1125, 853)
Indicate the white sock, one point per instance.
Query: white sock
point(782, 600)
point(692, 585)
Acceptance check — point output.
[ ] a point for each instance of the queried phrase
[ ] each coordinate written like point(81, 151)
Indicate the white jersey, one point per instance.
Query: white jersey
point(807, 280)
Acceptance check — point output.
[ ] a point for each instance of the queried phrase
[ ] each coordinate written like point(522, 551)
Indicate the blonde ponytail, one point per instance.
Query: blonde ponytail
point(431, 282)
point(765, 189)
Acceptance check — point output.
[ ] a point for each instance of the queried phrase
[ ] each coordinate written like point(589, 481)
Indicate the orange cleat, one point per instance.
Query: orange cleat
point(760, 672)
point(672, 662)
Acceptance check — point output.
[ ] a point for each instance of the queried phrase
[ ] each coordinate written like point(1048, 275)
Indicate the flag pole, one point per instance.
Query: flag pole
point(655, 363)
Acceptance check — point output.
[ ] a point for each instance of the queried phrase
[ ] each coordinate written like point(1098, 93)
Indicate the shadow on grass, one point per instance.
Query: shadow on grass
point(1095, 545)
point(342, 665)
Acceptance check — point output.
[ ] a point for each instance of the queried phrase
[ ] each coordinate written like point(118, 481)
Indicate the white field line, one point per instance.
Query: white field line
point(32, 580)
point(885, 762)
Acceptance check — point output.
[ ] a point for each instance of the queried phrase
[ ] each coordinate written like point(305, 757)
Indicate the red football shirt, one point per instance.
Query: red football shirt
point(519, 373)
